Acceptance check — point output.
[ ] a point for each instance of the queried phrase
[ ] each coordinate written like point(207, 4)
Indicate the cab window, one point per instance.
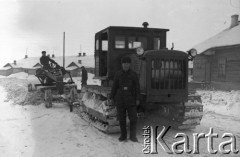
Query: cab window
point(104, 45)
point(135, 42)
point(97, 44)
point(120, 42)
point(157, 44)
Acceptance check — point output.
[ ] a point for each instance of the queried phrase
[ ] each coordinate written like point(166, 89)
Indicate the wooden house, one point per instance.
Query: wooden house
point(74, 68)
point(13, 68)
point(218, 59)
point(5, 71)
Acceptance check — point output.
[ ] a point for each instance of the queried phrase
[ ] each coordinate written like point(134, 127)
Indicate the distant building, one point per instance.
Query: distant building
point(30, 64)
point(11, 68)
point(218, 59)
point(74, 69)
point(5, 71)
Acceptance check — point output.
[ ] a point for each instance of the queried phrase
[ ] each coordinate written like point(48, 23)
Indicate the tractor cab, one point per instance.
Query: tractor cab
point(163, 73)
point(114, 42)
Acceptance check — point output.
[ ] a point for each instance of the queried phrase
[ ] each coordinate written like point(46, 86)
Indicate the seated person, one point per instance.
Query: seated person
point(44, 60)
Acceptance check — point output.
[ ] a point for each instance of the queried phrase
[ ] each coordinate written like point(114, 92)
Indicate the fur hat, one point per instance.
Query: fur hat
point(126, 60)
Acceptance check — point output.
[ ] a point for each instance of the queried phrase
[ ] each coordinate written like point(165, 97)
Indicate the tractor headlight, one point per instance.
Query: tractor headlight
point(139, 51)
point(193, 52)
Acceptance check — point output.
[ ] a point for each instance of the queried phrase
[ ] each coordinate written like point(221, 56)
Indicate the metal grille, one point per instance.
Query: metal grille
point(168, 73)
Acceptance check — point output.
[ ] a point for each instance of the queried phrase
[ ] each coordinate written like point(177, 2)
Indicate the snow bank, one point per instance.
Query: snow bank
point(16, 86)
point(18, 92)
point(221, 102)
point(20, 75)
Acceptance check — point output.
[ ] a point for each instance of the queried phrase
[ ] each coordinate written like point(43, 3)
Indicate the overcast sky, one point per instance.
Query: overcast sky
point(35, 25)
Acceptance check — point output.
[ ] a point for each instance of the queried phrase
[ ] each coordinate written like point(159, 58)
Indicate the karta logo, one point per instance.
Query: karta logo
point(152, 140)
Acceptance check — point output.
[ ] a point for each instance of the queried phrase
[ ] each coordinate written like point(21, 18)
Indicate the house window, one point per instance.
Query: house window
point(222, 67)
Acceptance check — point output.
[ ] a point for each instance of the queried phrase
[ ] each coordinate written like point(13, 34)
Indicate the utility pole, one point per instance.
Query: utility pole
point(26, 56)
point(63, 49)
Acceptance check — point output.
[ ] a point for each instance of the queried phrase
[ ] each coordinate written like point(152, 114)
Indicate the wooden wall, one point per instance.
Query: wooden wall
point(75, 72)
point(199, 68)
point(231, 58)
point(17, 70)
point(223, 66)
point(6, 72)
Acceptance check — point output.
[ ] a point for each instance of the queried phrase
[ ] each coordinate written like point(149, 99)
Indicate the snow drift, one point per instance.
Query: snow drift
point(221, 102)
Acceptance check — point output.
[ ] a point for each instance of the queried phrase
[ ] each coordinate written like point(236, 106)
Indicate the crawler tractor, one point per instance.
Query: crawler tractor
point(163, 76)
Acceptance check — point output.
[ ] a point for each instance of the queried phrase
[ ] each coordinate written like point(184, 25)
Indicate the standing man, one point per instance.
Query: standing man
point(84, 76)
point(126, 91)
point(44, 60)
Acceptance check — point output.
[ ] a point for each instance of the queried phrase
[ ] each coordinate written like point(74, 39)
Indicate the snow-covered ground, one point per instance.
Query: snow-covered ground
point(34, 131)
point(27, 128)
point(221, 102)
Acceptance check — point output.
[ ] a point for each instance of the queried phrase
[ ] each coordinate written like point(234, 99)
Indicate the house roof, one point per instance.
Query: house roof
point(228, 37)
point(32, 62)
point(37, 65)
point(5, 68)
point(11, 65)
point(72, 68)
point(74, 64)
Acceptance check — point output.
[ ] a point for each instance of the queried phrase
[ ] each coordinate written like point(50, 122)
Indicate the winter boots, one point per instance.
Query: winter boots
point(133, 127)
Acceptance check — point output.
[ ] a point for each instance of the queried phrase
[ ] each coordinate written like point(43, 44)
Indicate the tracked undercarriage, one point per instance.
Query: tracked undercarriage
point(102, 114)
point(185, 115)
point(96, 109)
